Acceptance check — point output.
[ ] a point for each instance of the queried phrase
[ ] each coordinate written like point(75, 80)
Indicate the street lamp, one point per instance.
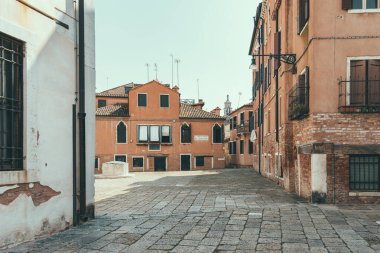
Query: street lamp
point(285, 58)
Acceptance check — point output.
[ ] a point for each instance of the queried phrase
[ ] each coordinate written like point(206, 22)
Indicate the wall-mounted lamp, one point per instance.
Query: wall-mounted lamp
point(285, 58)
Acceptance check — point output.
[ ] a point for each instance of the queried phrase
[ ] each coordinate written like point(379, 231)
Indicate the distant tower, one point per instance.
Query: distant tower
point(227, 106)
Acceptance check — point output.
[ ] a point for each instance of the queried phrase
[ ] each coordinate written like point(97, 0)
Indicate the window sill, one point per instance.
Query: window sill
point(18, 177)
point(361, 11)
point(364, 194)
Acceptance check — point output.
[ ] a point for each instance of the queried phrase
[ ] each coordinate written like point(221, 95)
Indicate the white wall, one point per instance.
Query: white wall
point(49, 92)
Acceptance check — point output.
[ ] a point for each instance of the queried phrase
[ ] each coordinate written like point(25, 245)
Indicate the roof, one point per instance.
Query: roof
point(120, 91)
point(245, 105)
point(255, 28)
point(191, 112)
point(116, 110)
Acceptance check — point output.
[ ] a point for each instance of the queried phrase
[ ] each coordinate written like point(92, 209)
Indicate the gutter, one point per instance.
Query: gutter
point(82, 117)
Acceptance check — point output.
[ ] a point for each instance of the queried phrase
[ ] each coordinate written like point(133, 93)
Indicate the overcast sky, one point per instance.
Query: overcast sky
point(210, 37)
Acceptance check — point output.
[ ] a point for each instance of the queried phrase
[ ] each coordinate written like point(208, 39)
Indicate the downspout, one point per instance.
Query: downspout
point(82, 116)
point(75, 217)
point(260, 117)
point(333, 164)
point(262, 86)
point(277, 100)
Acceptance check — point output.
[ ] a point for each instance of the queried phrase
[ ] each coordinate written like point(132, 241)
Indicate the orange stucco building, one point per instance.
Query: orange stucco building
point(147, 126)
point(239, 146)
point(316, 91)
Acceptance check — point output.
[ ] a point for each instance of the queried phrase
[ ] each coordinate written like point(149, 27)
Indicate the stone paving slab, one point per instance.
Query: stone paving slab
point(232, 210)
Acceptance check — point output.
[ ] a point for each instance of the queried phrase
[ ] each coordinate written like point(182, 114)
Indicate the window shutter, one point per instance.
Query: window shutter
point(347, 4)
point(190, 133)
point(277, 50)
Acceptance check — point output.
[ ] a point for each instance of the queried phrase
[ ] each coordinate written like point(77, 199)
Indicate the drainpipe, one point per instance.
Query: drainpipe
point(277, 100)
point(262, 86)
point(333, 167)
point(82, 117)
point(75, 217)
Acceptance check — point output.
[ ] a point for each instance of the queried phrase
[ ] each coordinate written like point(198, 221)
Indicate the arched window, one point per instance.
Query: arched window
point(121, 133)
point(217, 134)
point(186, 133)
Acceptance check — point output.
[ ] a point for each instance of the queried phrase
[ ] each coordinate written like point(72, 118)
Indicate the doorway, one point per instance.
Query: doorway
point(160, 163)
point(185, 162)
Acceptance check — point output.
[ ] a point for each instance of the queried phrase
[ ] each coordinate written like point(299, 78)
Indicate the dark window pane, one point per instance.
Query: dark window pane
point(141, 99)
point(186, 133)
point(200, 161)
point(166, 134)
point(250, 147)
point(102, 103)
point(241, 146)
point(121, 158)
point(364, 172)
point(96, 163)
point(164, 100)
point(372, 4)
point(357, 4)
point(121, 133)
point(217, 134)
point(154, 146)
point(138, 162)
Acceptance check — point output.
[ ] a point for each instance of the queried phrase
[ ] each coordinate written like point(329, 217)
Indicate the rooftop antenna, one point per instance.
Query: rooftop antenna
point(239, 99)
point(172, 69)
point(198, 88)
point(147, 70)
point(156, 70)
point(177, 61)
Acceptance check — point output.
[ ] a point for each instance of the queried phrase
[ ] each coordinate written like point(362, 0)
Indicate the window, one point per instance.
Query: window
point(11, 106)
point(234, 121)
point(242, 119)
point(141, 99)
point(102, 103)
point(360, 4)
point(96, 162)
point(186, 133)
point(303, 14)
point(217, 134)
point(142, 133)
point(138, 162)
point(241, 147)
point(200, 161)
point(121, 133)
point(251, 121)
point(364, 82)
point(154, 147)
point(364, 173)
point(299, 97)
point(250, 147)
point(231, 123)
point(269, 119)
point(154, 133)
point(232, 148)
point(164, 100)
point(269, 72)
point(166, 134)
point(121, 158)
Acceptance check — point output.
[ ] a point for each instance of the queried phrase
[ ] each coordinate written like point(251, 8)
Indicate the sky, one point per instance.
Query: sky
point(211, 39)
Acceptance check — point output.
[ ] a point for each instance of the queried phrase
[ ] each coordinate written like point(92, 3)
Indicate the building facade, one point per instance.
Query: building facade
point(316, 89)
point(239, 145)
point(152, 129)
point(41, 168)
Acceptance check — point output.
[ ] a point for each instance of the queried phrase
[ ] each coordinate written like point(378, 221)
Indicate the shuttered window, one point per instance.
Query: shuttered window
point(303, 14)
point(277, 50)
point(186, 133)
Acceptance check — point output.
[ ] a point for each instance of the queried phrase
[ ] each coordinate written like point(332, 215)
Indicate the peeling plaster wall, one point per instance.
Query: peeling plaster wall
point(49, 92)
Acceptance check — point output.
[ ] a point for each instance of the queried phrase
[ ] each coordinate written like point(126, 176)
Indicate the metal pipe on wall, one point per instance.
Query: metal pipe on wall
point(82, 115)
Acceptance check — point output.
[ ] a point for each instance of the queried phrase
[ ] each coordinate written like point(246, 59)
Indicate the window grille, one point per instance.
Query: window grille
point(11, 106)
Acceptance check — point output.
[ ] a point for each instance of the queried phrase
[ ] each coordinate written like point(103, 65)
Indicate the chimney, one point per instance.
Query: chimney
point(199, 105)
point(216, 111)
point(175, 88)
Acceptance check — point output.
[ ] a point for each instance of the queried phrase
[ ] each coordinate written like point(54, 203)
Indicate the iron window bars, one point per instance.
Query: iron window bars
point(365, 173)
point(11, 106)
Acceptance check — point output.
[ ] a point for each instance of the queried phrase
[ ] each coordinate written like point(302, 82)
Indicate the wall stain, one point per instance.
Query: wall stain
point(39, 193)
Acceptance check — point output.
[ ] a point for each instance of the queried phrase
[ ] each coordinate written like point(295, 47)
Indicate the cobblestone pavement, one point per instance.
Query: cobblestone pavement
point(225, 211)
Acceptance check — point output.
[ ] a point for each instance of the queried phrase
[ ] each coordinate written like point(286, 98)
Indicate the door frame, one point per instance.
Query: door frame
point(180, 161)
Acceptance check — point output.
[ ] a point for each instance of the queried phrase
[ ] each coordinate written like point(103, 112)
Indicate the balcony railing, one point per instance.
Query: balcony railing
point(298, 102)
point(243, 128)
point(359, 96)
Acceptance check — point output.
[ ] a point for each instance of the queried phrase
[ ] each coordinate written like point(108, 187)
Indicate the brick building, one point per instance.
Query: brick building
point(152, 129)
point(316, 89)
point(239, 147)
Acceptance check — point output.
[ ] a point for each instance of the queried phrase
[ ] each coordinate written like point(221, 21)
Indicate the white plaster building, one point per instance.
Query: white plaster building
point(41, 153)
